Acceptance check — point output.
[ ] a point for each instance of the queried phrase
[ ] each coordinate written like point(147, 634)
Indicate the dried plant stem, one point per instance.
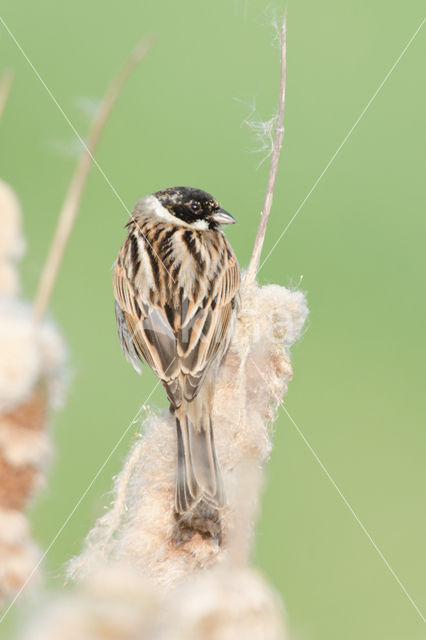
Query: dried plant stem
point(5, 84)
point(75, 190)
point(276, 151)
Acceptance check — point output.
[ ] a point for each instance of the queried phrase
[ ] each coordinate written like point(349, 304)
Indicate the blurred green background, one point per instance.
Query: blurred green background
point(358, 391)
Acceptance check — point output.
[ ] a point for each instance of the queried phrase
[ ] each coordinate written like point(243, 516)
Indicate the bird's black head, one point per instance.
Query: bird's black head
point(194, 207)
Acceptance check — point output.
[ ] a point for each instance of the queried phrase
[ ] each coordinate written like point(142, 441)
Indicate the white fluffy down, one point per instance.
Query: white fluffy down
point(14, 527)
point(27, 355)
point(18, 553)
point(12, 243)
point(224, 603)
point(21, 446)
point(116, 603)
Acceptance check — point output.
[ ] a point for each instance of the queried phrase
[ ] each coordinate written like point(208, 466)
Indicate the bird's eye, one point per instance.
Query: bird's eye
point(195, 206)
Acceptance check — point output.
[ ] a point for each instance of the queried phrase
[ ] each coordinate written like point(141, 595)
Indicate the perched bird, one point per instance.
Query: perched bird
point(176, 286)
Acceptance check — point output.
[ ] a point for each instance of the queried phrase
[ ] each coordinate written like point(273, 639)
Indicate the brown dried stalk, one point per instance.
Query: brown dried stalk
point(276, 151)
point(71, 203)
point(5, 84)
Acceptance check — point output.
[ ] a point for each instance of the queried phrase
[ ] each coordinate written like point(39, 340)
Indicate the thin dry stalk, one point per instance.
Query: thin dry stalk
point(71, 203)
point(276, 151)
point(5, 85)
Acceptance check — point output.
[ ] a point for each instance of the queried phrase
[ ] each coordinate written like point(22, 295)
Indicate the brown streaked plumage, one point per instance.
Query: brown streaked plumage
point(176, 283)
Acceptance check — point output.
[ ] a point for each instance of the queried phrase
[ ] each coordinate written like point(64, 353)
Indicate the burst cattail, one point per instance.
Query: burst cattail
point(32, 381)
point(141, 528)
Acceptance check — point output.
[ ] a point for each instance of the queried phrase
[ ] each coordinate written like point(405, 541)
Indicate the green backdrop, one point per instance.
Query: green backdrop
point(359, 242)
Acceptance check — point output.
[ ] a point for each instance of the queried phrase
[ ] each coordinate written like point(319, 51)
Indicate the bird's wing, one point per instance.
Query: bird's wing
point(126, 341)
point(207, 327)
point(144, 330)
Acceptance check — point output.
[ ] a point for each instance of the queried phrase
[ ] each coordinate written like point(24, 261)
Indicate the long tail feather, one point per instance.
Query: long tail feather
point(198, 474)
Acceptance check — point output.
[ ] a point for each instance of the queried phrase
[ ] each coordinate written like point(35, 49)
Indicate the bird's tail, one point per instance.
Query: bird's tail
point(198, 473)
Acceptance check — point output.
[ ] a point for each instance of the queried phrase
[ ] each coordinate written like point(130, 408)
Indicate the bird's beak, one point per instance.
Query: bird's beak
point(223, 217)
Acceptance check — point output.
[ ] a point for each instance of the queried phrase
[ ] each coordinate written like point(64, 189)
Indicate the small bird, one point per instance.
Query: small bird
point(176, 286)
